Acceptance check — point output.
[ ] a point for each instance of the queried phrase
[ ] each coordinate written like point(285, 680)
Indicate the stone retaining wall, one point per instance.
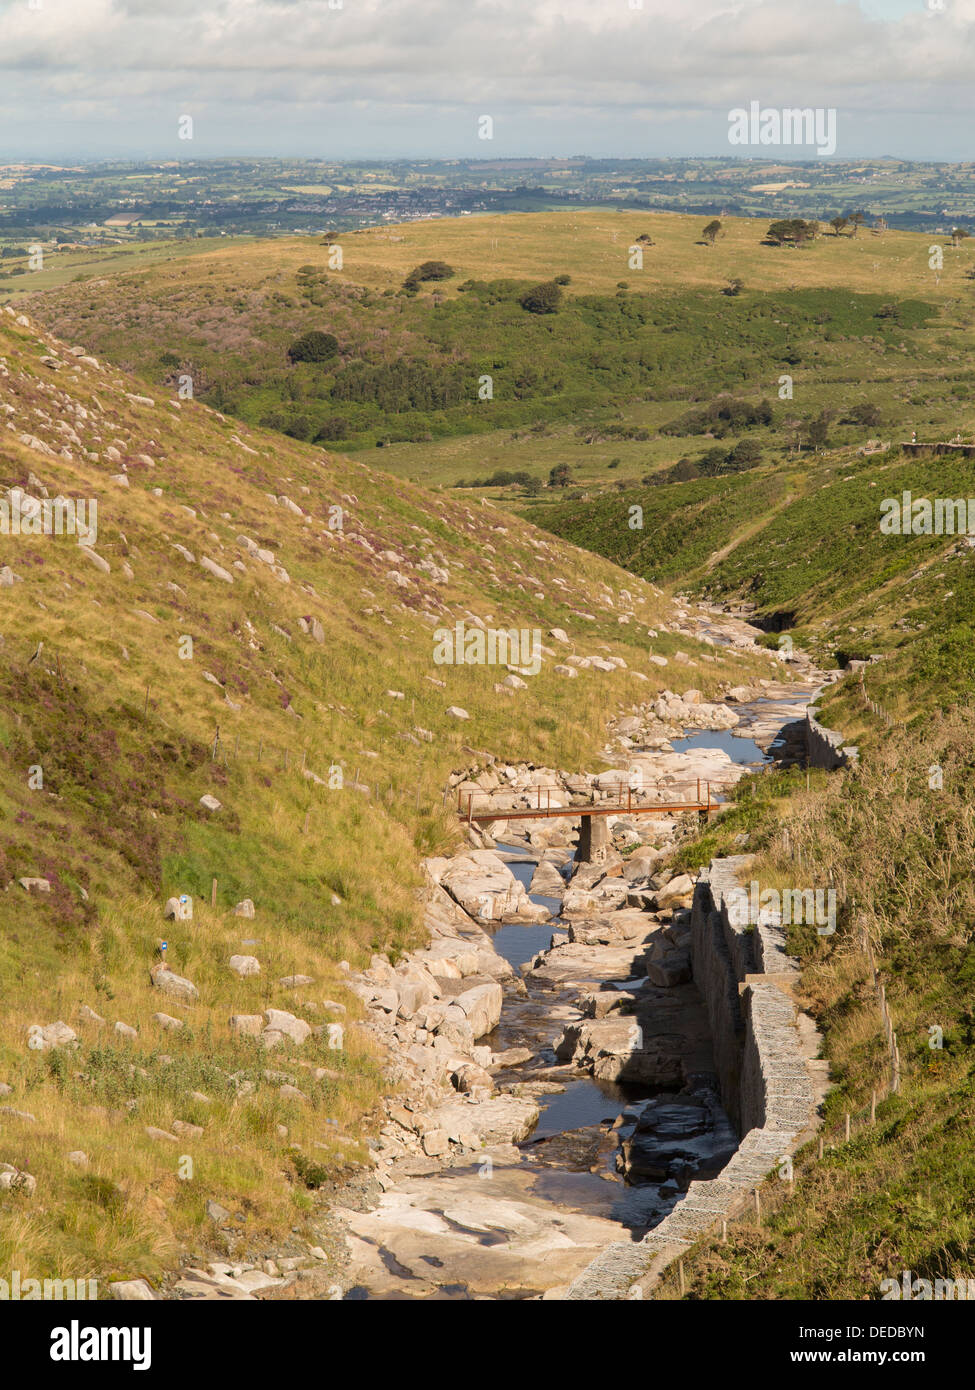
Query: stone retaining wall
point(825, 747)
point(744, 974)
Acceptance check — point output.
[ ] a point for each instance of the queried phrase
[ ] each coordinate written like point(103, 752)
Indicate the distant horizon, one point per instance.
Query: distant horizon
point(775, 156)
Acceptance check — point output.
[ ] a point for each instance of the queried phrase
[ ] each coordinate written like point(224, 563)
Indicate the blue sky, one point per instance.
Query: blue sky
point(103, 78)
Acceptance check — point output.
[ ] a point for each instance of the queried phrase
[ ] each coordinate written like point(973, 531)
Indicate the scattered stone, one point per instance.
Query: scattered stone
point(210, 803)
point(35, 885)
point(161, 1134)
point(164, 979)
point(168, 1022)
point(245, 908)
point(245, 966)
point(42, 1039)
point(13, 1180)
point(248, 1025)
point(132, 1291)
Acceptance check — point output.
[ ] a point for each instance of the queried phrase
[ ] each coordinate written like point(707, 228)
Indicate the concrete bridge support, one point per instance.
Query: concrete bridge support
point(594, 840)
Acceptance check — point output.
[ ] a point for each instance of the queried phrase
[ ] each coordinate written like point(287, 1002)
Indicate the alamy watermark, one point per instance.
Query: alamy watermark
point(790, 125)
point(475, 646)
point(812, 906)
point(919, 516)
point(17, 1289)
point(23, 515)
point(927, 1290)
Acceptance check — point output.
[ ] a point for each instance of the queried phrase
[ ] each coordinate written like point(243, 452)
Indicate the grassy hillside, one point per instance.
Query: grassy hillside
point(897, 1195)
point(313, 660)
point(605, 384)
point(805, 547)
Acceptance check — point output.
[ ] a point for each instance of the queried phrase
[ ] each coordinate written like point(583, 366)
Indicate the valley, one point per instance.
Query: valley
point(411, 1057)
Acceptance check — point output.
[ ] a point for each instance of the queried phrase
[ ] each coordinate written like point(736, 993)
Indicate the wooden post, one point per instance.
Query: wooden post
point(758, 1207)
point(724, 1232)
point(213, 893)
point(820, 1148)
point(848, 1126)
point(680, 1274)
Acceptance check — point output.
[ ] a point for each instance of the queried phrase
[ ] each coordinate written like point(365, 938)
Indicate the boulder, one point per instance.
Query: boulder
point(13, 1180)
point(42, 1038)
point(248, 1025)
point(165, 980)
point(245, 966)
point(35, 885)
point(281, 1025)
point(166, 1021)
point(482, 1007)
point(132, 1291)
point(245, 908)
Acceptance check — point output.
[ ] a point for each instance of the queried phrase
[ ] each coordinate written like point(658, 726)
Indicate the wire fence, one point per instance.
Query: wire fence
point(752, 1211)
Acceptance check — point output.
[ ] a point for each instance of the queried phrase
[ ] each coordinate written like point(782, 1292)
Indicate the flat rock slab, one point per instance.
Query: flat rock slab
point(510, 1232)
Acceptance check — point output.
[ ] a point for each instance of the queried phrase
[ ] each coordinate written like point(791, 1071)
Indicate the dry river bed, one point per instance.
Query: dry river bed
point(553, 1056)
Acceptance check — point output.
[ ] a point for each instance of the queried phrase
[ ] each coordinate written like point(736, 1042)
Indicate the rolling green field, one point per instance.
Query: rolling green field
point(601, 385)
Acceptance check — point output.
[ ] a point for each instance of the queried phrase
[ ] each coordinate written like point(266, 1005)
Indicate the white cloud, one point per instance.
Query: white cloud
point(573, 65)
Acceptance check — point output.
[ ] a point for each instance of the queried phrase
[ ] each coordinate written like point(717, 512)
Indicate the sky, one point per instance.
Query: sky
point(345, 79)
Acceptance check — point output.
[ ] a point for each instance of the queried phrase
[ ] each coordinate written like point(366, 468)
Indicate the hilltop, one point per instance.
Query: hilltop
point(457, 382)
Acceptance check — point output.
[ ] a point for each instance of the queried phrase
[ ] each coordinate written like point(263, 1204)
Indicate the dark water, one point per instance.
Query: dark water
point(740, 750)
point(519, 941)
point(584, 1103)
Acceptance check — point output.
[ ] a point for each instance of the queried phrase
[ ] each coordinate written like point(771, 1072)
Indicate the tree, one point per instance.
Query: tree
point(542, 299)
point(792, 230)
point(856, 220)
point(336, 427)
point(314, 347)
point(711, 232)
point(959, 234)
point(819, 429)
point(560, 476)
point(533, 487)
point(838, 224)
point(432, 270)
point(562, 280)
point(864, 413)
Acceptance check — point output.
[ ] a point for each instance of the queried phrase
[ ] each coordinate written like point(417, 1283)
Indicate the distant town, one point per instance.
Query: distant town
point(112, 203)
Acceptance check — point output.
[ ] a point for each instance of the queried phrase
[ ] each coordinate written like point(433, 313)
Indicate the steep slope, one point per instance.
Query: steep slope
point(254, 622)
